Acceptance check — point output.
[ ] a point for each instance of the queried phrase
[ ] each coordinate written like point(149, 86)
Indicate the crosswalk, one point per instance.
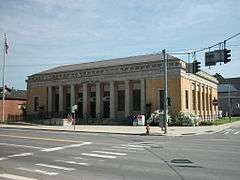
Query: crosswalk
point(230, 131)
point(58, 167)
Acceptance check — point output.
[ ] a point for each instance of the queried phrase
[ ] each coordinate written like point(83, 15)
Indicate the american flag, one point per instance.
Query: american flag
point(6, 44)
point(70, 118)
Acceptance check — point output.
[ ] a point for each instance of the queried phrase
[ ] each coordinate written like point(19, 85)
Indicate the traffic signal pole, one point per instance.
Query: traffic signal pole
point(165, 92)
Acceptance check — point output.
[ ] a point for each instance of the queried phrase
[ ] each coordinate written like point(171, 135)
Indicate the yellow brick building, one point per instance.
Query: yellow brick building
point(117, 88)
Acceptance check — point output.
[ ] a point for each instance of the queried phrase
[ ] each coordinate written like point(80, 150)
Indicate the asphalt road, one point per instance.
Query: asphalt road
point(48, 155)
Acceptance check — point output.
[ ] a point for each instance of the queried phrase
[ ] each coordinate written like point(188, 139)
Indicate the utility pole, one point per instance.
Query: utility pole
point(165, 92)
point(5, 46)
point(229, 102)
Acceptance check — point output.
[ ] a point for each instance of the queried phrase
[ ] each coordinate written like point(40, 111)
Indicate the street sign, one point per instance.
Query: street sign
point(212, 57)
point(215, 102)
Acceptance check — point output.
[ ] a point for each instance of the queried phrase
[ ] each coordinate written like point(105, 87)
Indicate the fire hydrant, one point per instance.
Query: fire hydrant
point(147, 129)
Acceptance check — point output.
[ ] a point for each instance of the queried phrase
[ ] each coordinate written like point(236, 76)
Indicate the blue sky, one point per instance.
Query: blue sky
point(46, 33)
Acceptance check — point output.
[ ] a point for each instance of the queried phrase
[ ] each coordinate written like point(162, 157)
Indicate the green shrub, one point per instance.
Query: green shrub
point(183, 119)
point(206, 123)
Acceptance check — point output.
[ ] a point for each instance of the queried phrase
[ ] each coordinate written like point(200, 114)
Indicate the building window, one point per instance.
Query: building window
point(194, 100)
point(68, 102)
point(106, 94)
point(80, 95)
point(36, 103)
point(210, 100)
point(186, 99)
point(203, 101)
point(207, 102)
point(136, 100)
point(92, 94)
point(121, 100)
point(161, 100)
point(199, 98)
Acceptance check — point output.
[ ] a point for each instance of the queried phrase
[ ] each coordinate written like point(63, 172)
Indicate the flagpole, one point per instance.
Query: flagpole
point(3, 79)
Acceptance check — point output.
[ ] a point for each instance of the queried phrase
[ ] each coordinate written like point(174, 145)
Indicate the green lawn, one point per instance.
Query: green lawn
point(226, 120)
point(220, 121)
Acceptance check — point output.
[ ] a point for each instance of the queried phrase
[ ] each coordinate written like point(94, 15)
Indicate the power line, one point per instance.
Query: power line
point(206, 48)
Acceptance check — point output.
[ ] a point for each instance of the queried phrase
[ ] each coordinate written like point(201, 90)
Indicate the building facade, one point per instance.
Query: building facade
point(229, 95)
point(13, 104)
point(118, 88)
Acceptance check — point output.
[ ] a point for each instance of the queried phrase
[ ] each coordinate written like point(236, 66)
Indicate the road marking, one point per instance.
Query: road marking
point(12, 176)
point(20, 145)
point(114, 149)
point(38, 171)
point(78, 158)
point(112, 153)
point(226, 132)
point(21, 155)
point(99, 155)
point(126, 147)
point(236, 132)
point(64, 147)
point(136, 146)
point(55, 167)
point(38, 138)
point(72, 162)
point(3, 158)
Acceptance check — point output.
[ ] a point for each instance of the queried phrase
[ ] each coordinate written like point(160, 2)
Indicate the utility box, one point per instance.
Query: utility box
point(141, 120)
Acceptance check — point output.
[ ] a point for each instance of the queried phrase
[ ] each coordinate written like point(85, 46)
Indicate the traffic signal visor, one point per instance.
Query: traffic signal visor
point(227, 55)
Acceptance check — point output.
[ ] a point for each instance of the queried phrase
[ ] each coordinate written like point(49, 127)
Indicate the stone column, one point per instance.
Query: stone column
point(73, 95)
point(85, 101)
point(112, 99)
point(203, 102)
point(196, 99)
point(127, 98)
point(143, 96)
point(98, 99)
point(50, 99)
point(60, 98)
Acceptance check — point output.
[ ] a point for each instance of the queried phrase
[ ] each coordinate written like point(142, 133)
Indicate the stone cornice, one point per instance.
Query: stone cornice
point(133, 71)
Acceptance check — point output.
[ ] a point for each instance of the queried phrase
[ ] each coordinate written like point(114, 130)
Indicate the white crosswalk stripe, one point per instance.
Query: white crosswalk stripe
point(99, 155)
point(3, 158)
point(55, 167)
point(116, 149)
point(15, 177)
point(65, 147)
point(127, 147)
point(21, 155)
point(230, 131)
point(72, 162)
point(38, 171)
point(112, 153)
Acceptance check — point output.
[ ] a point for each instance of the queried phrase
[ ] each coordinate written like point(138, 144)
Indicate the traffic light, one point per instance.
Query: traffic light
point(196, 66)
point(227, 56)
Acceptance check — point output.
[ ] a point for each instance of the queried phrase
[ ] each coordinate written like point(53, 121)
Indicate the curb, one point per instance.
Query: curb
point(82, 131)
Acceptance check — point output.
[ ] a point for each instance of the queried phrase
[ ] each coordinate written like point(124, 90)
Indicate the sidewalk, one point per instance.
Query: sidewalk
point(130, 130)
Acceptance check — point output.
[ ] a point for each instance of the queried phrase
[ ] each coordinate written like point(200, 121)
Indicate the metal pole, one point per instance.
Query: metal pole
point(3, 79)
point(229, 102)
point(74, 119)
point(165, 91)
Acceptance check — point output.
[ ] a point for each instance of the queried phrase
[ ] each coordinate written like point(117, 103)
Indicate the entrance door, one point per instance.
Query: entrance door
point(80, 110)
point(106, 109)
point(93, 109)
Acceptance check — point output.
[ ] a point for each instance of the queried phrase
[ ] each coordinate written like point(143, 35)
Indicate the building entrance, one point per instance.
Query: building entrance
point(80, 110)
point(106, 109)
point(93, 109)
